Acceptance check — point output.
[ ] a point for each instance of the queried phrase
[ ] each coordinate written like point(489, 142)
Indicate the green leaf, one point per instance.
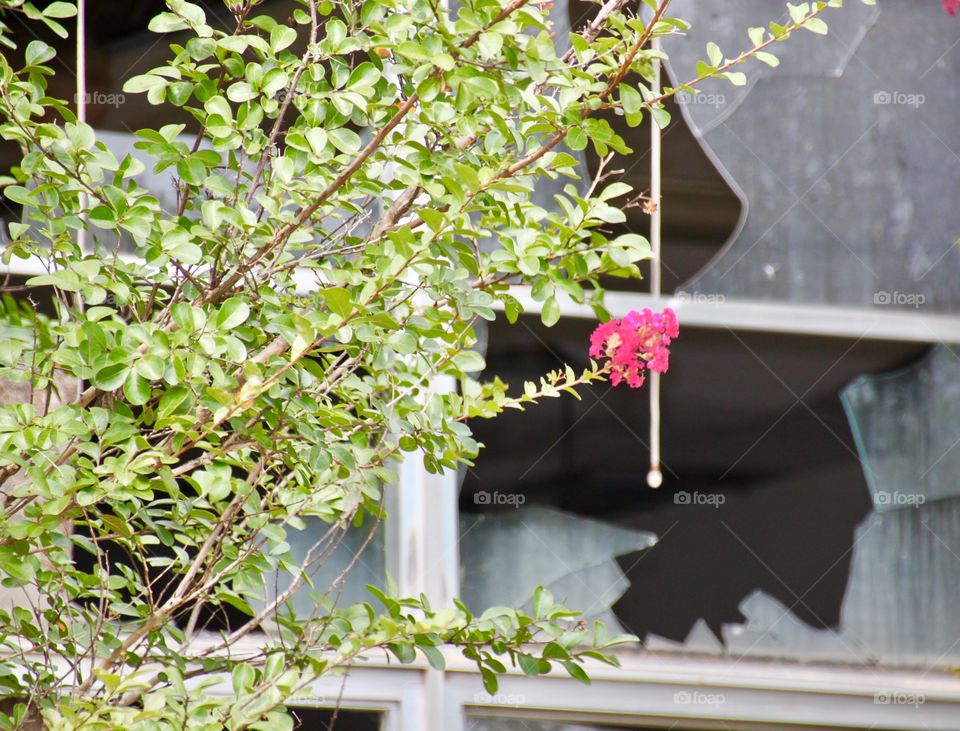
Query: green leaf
point(317, 139)
point(136, 389)
point(143, 82)
point(38, 52)
point(241, 91)
point(283, 169)
point(816, 25)
point(65, 279)
point(714, 54)
point(172, 399)
point(281, 37)
point(338, 300)
point(768, 58)
point(363, 76)
point(798, 11)
point(111, 377)
point(490, 683)
point(166, 23)
point(554, 651)
point(60, 10)
point(529, 265)
point(404, 652)
point(244, 677)
point(577, 139)
point(630, 99)
point(151, 367)
point(345, 140)
point(18, 194)
point(490, 44)
point(232, 313)
point(214, 481)
point(542, 601)
point(551, 312)
point(186, 252)
point(661, 116)
point(434, 657)
point(469, 361)
point(737, 78)
point(576, 671)
point(529, 664)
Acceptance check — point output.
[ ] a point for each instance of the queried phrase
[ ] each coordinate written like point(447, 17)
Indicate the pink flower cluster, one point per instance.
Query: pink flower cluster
point(951, 6)
point(639, 341)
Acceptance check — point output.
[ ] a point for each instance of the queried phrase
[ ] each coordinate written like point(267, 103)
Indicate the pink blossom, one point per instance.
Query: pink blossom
point(951, 6)
point(638, 342)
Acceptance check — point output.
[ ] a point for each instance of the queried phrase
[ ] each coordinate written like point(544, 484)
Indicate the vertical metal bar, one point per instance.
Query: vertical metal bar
point(81, 91)
point(655, 476)
point(81, 104)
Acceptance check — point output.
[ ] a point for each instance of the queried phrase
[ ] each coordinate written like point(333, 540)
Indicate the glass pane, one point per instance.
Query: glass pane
point(768, 542)
point(841, 154)
point(569, 554)
point(907, 424)
point(905, 581)
point(365, 557)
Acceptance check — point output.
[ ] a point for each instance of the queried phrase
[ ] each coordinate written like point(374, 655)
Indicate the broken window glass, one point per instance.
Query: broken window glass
point(768, 542)
point(331, 581)
point(841, 155)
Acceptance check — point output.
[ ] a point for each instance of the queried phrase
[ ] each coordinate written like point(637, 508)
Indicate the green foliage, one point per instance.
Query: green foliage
point(383, 152)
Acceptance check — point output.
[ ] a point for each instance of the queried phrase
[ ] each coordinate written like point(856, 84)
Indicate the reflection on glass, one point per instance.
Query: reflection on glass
point(845, 202)
point(332, 578)
point(907, 425)
point(523, 548)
